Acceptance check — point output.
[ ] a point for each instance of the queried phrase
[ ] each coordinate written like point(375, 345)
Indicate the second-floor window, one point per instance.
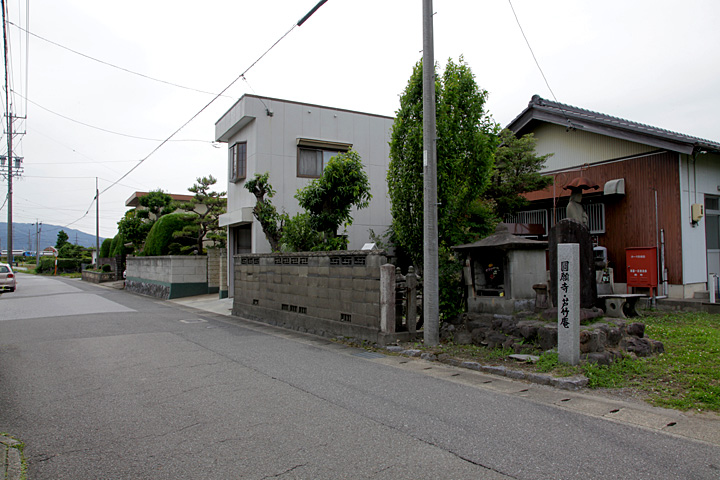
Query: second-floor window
point(238, 161)
point(312, 161)
point(314, 155)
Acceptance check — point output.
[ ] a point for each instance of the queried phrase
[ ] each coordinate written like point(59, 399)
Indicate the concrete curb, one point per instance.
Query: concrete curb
point(11, 451)
point(565, 383)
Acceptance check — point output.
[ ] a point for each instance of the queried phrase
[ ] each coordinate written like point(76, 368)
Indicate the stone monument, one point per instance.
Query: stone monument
point(574, 229)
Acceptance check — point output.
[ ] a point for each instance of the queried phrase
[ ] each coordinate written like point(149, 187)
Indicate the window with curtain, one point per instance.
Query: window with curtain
point(238, 161)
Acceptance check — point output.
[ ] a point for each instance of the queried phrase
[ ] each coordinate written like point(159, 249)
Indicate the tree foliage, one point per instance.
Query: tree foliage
point(467, 138)
point(163, 239)
point(62, 239)
point(156, 204)
point(271, 221)
point(330, 198)
point(328, 202)
point(134, 229)
point(517, 171)
point(207, 205)
point(105, 248)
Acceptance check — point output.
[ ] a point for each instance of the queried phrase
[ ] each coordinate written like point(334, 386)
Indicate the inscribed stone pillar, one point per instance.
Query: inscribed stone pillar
point(568, 274)
point(387, 298)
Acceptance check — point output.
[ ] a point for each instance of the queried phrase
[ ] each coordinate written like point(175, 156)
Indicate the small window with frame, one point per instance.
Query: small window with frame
point(238, 161)
point(314, 155)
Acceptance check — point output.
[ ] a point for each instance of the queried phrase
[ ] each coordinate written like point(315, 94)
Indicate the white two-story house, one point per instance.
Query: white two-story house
point(293, 141)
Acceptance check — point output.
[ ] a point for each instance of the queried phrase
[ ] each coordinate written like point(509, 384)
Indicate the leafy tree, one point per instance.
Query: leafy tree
point(118, 246)
point(157, 203)
point(330, 198)
point(466, 141)
point(207, 205)
point(517, 171)
point(298, 235)
point(62, 239)
point(133, 228)
point(467, 138)
point(328, 202)
point(271, 221)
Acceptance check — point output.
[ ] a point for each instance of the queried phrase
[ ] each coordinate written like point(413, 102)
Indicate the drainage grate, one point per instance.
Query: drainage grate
point(366, 354)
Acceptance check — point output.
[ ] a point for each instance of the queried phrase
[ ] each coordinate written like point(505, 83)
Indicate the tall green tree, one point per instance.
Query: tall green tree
point(207, 205)
point(467, 138)
point(62, 239)
point(517, 171)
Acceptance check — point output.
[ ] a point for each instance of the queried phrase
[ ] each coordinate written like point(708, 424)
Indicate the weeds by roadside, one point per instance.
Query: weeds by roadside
point(685, 377)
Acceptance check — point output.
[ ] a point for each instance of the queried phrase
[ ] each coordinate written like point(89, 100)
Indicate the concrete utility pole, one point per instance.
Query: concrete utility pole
point(9, 140)
point(38, 230)
point(97, 223)
point(431, 309)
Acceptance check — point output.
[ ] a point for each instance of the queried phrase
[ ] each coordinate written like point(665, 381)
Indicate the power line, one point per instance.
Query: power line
point(570, 124)
point(105, 129)
point(113, 65)
point(531, 50)
point(242, 75)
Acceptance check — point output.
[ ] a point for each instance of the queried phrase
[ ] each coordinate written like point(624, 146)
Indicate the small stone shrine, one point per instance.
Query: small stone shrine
point(502, 265)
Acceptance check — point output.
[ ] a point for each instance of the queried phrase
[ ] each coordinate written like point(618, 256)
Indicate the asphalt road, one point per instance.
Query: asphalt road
point(101, 383)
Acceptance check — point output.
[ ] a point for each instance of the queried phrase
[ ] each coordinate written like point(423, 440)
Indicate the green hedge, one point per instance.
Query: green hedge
point(64, 265)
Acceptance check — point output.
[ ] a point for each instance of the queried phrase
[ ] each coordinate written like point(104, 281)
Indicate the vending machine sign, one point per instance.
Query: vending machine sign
point(641, 267)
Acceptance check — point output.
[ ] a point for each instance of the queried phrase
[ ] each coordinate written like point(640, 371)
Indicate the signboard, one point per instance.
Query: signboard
point(641, 264)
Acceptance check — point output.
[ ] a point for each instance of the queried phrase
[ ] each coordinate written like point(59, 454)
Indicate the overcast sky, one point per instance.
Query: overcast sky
point(655, 62)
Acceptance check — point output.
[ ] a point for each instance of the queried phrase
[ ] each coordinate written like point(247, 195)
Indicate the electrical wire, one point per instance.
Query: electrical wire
point(201, 110)
point(242, 75)
point(538, 65)
point(531, 50)
point(105, 129)
point(113, 65)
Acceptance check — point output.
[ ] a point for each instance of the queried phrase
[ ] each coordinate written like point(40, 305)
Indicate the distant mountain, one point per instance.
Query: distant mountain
point(24, 236)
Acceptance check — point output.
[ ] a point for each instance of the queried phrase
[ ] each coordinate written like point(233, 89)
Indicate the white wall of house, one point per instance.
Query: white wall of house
point(699, 177)
point(272, 147)
point(572, 148)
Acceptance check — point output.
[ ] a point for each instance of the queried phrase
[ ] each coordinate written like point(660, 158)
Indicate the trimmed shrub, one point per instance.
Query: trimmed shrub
point(105, 248)
point(161, 239)
point(106, 268)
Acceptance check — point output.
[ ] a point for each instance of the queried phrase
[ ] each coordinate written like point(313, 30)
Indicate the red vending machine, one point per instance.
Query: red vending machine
point(642, 267)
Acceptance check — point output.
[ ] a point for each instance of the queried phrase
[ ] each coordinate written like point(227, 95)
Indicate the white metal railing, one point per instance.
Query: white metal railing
point(595, 213)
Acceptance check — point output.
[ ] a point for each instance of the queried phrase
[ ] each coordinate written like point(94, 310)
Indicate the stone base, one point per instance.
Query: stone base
point(600, 342)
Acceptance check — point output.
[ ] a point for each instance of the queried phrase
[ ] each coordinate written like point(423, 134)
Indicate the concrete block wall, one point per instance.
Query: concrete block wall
point(324, 293)
point(168, 276)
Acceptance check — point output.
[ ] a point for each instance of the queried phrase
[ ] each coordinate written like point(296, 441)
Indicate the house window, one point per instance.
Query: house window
point(311, 162)
point(314, 155)
point(238, 161)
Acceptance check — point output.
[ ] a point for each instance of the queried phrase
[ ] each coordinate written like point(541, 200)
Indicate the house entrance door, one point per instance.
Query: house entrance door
point(239, 241)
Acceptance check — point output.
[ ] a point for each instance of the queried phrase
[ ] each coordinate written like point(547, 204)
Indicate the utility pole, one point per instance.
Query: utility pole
point(431, 309)
point(38, 230)
point(9, 139)
point(97, 223)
